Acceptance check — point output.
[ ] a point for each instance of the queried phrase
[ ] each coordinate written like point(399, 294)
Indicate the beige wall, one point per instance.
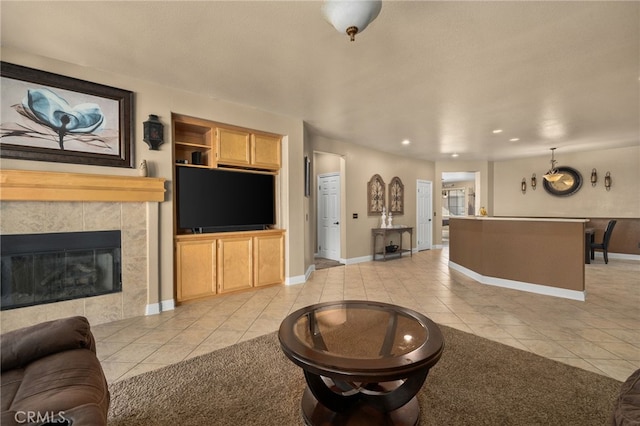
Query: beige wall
point(359, 165)
point(326, 163)
point(622, 201)
point(150, 98)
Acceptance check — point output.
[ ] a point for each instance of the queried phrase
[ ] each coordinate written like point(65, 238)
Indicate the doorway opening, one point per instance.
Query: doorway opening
point(458, 198)
point(328, 171)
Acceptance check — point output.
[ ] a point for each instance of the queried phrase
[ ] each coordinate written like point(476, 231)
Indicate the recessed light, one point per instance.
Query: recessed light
point(455, 155)
point(514, 139)
point(497, 131)
point(406, 142)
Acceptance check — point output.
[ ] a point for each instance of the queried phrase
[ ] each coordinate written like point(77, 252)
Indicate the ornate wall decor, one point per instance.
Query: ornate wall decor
point(568, 184)
point(375, 195)
point(396, 196)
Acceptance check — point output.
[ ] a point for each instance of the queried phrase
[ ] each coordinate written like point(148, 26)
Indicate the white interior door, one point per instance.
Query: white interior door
point(329, 216)
point(424, 214)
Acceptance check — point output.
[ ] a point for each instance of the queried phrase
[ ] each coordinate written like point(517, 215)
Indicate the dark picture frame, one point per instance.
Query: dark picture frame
point(307, 177)
point(51, 117)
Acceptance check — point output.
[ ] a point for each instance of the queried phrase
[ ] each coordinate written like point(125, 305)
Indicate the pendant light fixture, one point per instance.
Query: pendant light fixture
point(351, 16)
point(553, 175)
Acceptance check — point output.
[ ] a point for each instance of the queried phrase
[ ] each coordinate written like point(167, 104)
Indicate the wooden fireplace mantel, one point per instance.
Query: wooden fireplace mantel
point(31, 185)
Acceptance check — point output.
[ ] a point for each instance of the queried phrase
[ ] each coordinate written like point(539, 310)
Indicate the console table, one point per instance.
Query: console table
point(383, 232)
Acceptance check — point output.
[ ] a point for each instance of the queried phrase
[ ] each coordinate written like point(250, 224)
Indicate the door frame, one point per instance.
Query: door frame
point(429, 244)
point(318, 205)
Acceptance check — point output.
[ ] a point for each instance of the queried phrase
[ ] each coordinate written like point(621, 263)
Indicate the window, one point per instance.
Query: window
point(453, 203)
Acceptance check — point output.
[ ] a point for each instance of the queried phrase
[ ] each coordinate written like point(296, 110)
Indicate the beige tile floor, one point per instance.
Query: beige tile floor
point(601, 334)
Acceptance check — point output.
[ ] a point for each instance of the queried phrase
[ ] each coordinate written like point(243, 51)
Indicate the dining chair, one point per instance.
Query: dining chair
point(604, 245)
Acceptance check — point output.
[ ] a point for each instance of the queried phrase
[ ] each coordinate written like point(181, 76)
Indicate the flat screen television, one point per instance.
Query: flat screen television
point(215, 200)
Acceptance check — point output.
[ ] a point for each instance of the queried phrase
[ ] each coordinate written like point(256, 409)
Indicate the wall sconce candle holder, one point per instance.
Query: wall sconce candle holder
point(607, 181)
point(534, 181)
point(153, 133)
point(523, 185)
point(594, 177)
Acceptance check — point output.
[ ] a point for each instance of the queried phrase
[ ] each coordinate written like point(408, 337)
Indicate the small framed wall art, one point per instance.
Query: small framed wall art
point(375, 195)
point(396, 196)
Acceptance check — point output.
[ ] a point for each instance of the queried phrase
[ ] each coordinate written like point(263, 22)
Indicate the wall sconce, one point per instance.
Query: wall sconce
point(534, 181)
point(523, 185)
point(153, 132)
point(594, 177)
point(607, 181)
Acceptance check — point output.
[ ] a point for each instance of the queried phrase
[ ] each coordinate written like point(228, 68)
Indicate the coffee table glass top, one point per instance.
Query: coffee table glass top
point(360, 331)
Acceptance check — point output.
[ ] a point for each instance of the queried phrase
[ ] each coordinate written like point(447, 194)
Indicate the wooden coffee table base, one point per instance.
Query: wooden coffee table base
point(360, 414)
point(364, 362)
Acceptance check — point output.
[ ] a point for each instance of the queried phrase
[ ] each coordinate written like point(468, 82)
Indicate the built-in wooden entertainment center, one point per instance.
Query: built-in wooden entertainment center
point(208, 264)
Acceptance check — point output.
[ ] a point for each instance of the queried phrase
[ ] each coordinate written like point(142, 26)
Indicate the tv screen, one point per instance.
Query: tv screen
point(214, 200)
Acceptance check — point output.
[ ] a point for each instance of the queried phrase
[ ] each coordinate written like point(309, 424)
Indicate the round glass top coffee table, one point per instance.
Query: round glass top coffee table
point(364, 362)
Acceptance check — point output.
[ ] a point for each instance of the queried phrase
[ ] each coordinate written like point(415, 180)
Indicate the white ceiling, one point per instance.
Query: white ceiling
point(442, 74)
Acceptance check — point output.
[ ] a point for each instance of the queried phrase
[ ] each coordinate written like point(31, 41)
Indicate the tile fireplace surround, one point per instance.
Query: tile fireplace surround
point(41, 202)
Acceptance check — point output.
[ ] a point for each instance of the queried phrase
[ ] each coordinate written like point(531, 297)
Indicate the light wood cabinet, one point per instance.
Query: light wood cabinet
point(234, 146)
point(203, 143)
point(239, 147)
point(195, 269)
point(268, 255)
point(235, 264)
point(216, 263)
point(193, 142)
point(266, 151)
point(210, 264)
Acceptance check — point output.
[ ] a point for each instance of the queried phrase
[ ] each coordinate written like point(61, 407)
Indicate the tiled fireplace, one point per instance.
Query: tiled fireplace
point(128, 218)
point(37, 269)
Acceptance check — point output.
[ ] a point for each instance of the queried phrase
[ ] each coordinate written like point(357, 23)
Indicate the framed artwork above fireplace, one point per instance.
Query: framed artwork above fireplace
point(51, 117)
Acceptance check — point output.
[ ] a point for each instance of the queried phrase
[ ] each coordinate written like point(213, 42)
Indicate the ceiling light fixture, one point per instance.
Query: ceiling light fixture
point(406, 142)
point(496, 131)
point(455, 155)
point(351, 16)
point(553, 175)
point(514, 139)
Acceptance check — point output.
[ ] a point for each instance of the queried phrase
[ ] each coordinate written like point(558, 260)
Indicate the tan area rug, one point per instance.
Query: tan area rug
point(322, 263)
point(476, 382)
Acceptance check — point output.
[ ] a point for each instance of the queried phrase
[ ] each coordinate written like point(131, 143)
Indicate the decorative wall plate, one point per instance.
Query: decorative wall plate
point(375, 195)
point(568, 184)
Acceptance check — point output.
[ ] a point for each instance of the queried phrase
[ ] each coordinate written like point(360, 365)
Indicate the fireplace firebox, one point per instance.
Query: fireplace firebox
point(46, 268)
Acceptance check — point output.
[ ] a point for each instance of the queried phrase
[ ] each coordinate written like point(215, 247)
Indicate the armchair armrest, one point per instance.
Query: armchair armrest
point(23, 346)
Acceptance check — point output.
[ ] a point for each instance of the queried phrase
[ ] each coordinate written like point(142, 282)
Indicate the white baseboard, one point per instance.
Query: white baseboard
point(355, 260)
point(519, 285)
point(300, 279)
point(156, 308)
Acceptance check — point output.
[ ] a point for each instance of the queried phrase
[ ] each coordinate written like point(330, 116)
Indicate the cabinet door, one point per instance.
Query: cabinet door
point(265, 151)
point(195, 269)
point(233, 146)
point(235, 264)
point(268, 260)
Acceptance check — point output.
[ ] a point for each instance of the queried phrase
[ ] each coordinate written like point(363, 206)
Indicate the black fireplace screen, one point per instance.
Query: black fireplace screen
point(46, 268)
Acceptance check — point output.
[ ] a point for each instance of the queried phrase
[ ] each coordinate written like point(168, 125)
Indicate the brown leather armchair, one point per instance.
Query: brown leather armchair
point(51, 375)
